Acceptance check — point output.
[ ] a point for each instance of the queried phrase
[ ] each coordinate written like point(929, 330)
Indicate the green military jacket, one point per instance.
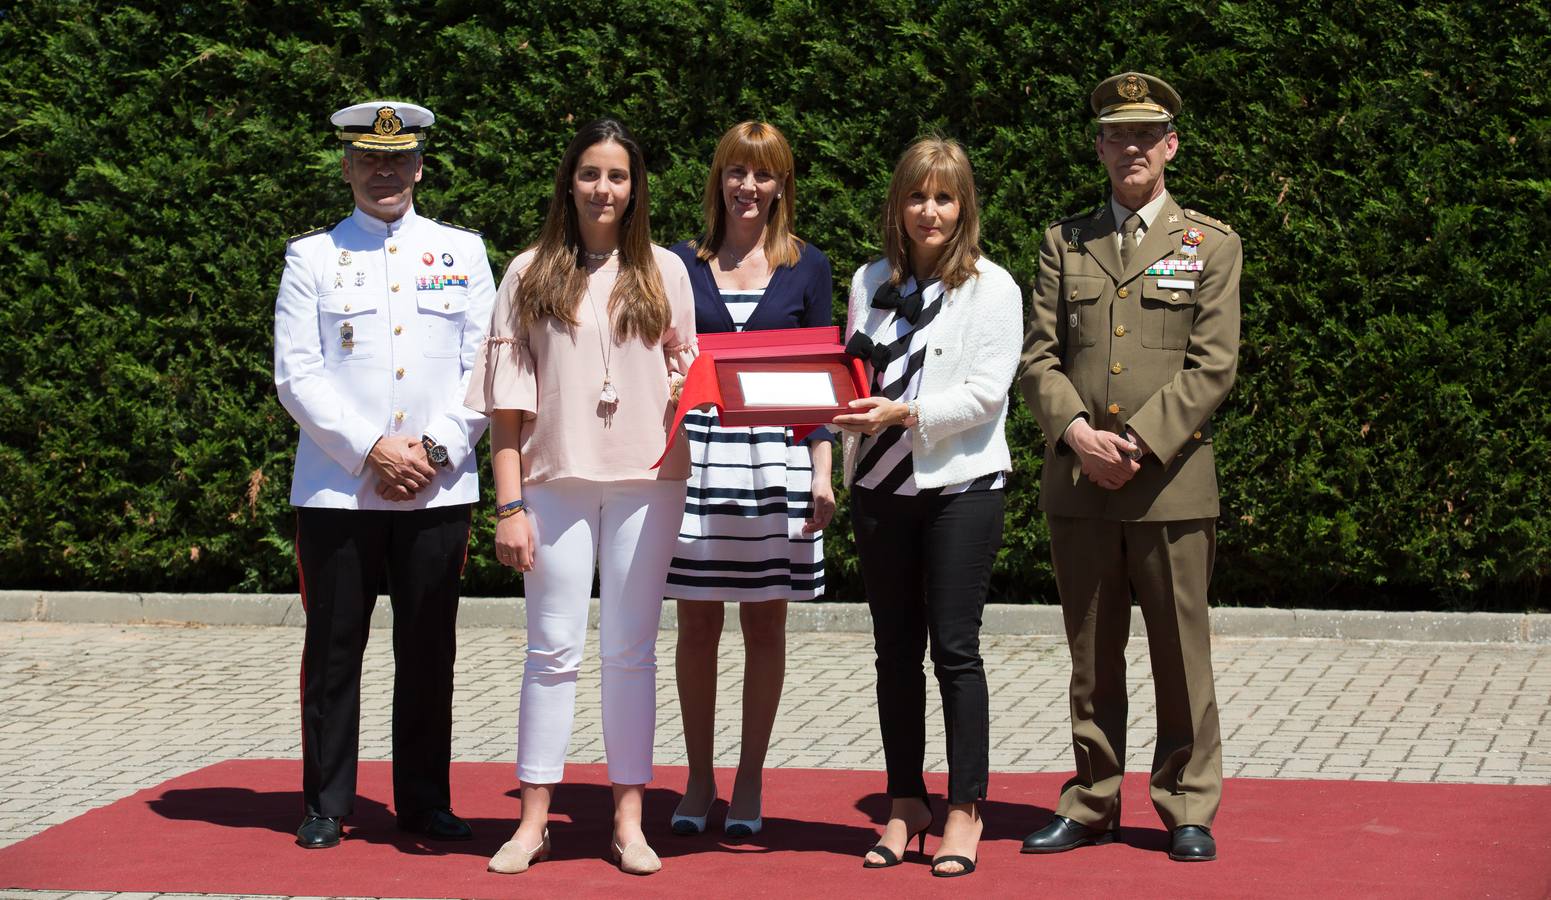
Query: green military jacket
point(1153, 347)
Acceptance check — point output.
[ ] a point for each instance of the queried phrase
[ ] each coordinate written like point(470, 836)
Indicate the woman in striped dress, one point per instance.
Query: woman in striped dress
point(757, 500)
point(925, 456)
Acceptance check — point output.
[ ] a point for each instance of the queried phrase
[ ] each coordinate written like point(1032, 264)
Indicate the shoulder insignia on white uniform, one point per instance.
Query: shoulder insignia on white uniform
point(459, 227)
point(307, 234)
point(1205, 219)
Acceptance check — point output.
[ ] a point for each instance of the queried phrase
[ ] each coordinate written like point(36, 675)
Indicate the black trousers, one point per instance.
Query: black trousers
point(926, 564)
point(344, 556)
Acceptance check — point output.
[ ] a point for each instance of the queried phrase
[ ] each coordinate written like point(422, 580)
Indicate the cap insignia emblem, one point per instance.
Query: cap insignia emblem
point(1133, 89)
point(388, 122)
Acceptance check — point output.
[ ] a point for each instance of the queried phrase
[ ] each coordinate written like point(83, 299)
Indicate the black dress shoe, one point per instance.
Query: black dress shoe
point(1064, 834)
point(1192, 843)
point(318, 832)
point(436, 824)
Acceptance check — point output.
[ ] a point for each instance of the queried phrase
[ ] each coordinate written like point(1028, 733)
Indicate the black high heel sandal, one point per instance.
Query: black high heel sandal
point(887, 855)
point(966, 865)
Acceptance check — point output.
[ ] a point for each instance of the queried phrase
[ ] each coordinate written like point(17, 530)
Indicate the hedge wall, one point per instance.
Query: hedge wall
point(1385, 162)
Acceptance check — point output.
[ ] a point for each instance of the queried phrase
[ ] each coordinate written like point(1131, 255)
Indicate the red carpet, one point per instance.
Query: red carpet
point(228, 829)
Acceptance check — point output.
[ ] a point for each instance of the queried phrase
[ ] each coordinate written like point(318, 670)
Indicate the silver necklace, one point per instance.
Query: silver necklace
point(738, 263)
point(599, 257)
point(608, 396)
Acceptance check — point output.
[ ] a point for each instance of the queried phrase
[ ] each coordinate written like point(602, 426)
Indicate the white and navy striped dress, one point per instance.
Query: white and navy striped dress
point(750, 490)
point(883, 461)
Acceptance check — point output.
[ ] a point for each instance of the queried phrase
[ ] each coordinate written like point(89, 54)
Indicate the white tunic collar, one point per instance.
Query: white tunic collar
point(373, 225)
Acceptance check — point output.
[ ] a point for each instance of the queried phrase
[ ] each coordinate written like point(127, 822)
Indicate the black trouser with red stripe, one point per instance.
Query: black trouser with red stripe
point(344, 558)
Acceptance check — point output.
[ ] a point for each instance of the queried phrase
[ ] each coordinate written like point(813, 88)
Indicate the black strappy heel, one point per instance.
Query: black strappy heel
point(966, 865)
point(964, 861)
point(889, 859)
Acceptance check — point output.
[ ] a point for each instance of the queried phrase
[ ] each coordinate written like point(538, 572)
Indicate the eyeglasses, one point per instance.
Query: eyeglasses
point(1141, 136)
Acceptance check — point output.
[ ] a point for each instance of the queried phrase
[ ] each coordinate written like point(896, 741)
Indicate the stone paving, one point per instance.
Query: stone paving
point(92, 713)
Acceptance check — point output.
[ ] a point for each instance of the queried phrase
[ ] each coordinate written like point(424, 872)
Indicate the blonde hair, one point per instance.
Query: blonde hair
point(557, 277)
point(762, 146)
point(931, 164)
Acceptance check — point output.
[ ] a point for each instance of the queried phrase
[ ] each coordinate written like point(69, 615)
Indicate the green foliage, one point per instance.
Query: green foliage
point(1385, 163)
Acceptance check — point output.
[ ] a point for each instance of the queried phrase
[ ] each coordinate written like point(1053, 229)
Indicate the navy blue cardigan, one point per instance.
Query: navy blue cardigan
point(798, 296)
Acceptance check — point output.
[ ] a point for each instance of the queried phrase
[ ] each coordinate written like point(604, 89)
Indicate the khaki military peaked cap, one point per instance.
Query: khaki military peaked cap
point(1134, 97)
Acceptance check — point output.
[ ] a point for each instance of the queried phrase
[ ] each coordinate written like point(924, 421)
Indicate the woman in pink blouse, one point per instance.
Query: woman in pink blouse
point(594, 327)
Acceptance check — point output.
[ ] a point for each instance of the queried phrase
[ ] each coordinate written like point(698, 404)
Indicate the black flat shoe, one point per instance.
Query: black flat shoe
point(1192, 843)
point(319, 832)
point(436, 824)
point(1064, 834)
point(887, 855)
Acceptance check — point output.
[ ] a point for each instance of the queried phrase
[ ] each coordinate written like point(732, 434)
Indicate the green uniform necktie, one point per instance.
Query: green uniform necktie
point(1128, 239)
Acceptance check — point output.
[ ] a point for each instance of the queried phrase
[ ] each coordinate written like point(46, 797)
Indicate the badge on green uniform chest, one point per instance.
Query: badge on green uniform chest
point(1170, 266)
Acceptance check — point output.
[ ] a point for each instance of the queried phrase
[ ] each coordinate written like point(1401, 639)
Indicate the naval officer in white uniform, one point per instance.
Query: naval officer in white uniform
point(376, 325)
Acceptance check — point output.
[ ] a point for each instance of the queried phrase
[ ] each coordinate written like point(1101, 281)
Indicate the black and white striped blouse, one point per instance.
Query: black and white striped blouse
point(885, 462)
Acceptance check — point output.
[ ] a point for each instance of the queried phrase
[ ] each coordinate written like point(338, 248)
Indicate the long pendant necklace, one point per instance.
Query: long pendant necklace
point(608, 396)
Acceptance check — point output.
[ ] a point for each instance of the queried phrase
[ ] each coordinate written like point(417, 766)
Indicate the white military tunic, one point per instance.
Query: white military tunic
point(376, 327)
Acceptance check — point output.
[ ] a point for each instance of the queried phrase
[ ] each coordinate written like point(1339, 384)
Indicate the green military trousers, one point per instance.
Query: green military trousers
point(1101, 567)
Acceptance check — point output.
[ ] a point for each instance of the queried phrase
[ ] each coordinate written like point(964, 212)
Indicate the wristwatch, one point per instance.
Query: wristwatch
point(434, 452)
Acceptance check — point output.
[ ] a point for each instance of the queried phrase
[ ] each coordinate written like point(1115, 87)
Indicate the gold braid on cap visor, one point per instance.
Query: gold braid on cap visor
point(369, 140)
point(1135, 107)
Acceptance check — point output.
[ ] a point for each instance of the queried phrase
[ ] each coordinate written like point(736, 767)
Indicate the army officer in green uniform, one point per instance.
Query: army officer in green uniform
point(1133, 345)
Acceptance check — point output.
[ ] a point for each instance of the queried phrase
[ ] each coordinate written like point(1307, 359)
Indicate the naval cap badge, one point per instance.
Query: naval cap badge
point(388, 122)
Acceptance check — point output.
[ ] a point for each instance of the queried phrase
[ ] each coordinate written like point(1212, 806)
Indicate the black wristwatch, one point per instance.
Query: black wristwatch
point(435, 452)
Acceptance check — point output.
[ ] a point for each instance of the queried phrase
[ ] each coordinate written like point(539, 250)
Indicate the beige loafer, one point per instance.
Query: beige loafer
point(514, 859)
point(637, 859)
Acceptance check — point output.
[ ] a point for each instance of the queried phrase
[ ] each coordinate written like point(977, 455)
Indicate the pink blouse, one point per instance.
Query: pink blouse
point(554, 374)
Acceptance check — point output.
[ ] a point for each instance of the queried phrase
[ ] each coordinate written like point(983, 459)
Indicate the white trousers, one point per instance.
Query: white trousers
point(629, 528)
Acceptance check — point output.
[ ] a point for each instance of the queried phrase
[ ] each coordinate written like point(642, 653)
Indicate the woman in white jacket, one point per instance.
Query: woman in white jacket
point(925, 456)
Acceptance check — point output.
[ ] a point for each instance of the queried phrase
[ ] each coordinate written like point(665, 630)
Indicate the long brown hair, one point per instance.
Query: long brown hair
point(762, 146)
point(557, 277)
point(933, 163)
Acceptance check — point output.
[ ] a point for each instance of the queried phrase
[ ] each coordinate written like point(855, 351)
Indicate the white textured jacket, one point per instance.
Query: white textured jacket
point(972, 354)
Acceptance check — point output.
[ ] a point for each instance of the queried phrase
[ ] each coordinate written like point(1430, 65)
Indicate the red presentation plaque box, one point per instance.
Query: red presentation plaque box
point(726, 356)
point(714, 378)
